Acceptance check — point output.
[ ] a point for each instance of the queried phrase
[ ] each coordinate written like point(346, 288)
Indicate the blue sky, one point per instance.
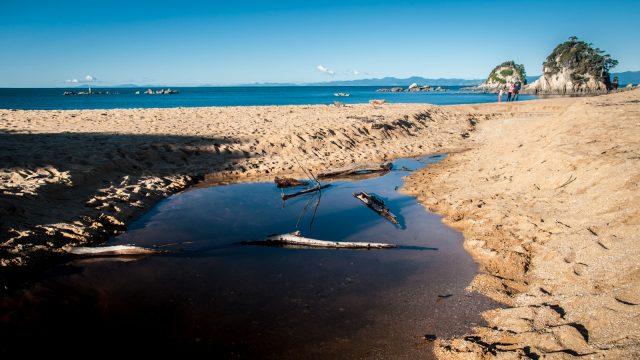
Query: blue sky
point(45, 43)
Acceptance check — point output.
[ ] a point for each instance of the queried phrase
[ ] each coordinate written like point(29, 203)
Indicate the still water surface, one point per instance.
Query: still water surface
point(213, 295)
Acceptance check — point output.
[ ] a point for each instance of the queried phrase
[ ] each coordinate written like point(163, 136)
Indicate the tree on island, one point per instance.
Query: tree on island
point(583, 60)
point(507, 71)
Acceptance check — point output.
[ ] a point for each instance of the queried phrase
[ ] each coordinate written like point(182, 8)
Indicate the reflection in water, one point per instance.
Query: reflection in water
point(212, 294)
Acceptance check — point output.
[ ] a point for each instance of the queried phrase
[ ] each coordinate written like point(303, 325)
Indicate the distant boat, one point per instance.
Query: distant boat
point(341, 94)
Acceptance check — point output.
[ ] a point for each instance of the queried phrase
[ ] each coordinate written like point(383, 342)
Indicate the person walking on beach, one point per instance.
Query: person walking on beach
point(516, 90)
point(500, 95)
point(614, 83)
point(510, 93)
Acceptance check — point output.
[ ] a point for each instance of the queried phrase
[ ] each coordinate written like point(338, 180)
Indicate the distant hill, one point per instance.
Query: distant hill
point(386, 81)
point(627, 77)
point(392, 81)
point(94, 86)
point(532, 78)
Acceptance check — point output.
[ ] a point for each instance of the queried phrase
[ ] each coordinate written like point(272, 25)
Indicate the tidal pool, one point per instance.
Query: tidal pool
point(212, 294)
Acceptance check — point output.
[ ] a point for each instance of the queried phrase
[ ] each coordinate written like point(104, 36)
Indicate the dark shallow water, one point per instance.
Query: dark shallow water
point(215, 296)
point(52, 99)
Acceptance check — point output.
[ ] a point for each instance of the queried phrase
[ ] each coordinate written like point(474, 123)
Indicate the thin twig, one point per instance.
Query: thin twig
point(305, 191)
point(304, 209)
point(315, 210)
point(306, 172)
point(569, 181)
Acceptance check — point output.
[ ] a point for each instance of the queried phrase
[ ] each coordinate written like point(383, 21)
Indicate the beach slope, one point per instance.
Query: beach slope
point(549, 204)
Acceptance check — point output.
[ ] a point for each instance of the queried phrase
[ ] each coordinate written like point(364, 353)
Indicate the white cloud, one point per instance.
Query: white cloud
point(72, 81)
point(89, 78)
point(325, 70)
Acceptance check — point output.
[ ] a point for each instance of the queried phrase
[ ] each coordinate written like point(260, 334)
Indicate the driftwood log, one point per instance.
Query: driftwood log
point(117, 250)
point(376, 204)
point(357, 170)
point(289, 182)
point(305, 191)
point(296, 240)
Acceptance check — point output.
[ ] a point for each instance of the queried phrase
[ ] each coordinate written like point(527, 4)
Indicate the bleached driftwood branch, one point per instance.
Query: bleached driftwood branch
point(376, 204)
point(117, 250)
point(295, 239)
point(357, 170)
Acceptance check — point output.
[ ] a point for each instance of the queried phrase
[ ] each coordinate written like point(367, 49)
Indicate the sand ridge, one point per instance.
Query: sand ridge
point(549, 208)
point(78, 176)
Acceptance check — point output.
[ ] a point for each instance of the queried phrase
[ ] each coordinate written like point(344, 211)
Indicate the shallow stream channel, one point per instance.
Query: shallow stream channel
point(213, 293)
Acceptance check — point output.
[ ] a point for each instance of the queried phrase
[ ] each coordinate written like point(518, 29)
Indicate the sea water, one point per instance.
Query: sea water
point(126, 98)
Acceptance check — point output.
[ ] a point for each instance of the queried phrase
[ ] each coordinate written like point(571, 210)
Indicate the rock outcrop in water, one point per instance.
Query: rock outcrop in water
point(412, 88)
point(574, 67)
point(501, 75)
point(159, 92)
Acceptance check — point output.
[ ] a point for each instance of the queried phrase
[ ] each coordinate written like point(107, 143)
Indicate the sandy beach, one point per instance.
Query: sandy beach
point(73, 177)
point(547, 201)
point(544, 191)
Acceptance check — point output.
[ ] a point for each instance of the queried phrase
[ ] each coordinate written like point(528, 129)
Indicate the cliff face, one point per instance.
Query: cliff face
point(574, 67)
point(562, 83)
point(501, 75)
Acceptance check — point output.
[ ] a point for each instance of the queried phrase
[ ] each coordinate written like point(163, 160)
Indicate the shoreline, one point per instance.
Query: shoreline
point(107, 167)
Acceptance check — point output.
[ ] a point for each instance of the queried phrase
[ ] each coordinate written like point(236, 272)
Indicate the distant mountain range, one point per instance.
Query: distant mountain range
point(386, 81)
point(626, 77)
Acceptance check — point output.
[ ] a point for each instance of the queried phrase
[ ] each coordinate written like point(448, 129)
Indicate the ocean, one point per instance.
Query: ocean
point(125, 98)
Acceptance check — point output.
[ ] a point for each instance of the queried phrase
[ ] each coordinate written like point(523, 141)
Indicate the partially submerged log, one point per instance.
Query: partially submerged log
point(296, 240)
point(117, 250)
point(376, 204)
point(289, 182)
point(357, 170)
point(305, 191)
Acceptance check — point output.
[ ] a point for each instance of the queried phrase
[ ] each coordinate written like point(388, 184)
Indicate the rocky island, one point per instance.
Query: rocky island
point(159, 92)
point(574, 67)
point(501, 75)
point(70, 93)
point(412, 88)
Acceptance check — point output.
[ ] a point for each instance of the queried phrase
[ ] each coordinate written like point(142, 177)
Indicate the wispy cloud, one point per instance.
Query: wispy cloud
point(325, 70)
point(87, 79)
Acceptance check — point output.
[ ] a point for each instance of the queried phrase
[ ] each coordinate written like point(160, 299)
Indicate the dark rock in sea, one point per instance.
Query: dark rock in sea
point(412, 88)
point(160, 92)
